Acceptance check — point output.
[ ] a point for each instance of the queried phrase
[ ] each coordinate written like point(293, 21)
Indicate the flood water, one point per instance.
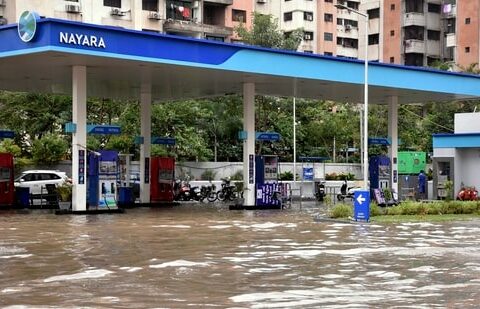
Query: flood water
point(198, 256)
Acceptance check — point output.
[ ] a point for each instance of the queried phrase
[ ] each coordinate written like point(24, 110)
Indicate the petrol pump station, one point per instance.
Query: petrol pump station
point(7, 189)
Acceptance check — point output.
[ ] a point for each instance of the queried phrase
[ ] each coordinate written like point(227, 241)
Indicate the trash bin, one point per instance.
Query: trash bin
point(22, 196)
point(124, 196)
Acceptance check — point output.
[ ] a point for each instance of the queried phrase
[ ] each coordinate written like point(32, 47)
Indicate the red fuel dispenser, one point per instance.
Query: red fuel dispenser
point(162, 178)
point(7, 194)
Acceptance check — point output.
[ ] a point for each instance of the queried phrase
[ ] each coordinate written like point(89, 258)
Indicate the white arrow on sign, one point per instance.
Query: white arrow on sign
point(361, 199)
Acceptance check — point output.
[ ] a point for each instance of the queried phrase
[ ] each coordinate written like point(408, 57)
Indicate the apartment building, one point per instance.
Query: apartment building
point(411, 32)
point(209, 19)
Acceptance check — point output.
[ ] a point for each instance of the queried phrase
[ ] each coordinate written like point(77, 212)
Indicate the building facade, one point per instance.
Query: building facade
point(410, 32)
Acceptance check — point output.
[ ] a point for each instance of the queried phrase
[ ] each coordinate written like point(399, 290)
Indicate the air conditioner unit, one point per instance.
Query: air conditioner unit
point(307, 37)
point(117, 12)
point(348, 27)
point(71, 8)
point(262, 1)
point(154, 15)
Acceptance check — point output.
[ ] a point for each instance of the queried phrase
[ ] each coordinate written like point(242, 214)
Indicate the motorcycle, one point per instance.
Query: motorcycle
point(208, 193)
point(320, 192)
point(228, 191)
point(181, 189)
point(346, 192)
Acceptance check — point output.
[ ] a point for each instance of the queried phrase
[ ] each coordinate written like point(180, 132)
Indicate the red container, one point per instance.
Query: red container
point(162, 179)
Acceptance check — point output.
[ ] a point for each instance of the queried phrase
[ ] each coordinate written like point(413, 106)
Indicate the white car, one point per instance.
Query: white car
point(36, 180)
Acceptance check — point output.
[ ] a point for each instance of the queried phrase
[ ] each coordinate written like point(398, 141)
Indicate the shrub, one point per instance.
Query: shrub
point(375, 210)
point(332, 176)
point(341, 211)
point(237, 176)
point(286, 176)
point(208, 175)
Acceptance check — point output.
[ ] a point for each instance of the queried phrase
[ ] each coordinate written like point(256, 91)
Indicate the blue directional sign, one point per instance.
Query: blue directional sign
point(361, 205)
point(163, 141)
point(6, 134)
point(379, 141)
point(103, 129)
point(308, 173)
point(267, 136)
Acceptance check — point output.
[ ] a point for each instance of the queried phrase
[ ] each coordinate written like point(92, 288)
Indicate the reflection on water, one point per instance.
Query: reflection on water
point(198, 256)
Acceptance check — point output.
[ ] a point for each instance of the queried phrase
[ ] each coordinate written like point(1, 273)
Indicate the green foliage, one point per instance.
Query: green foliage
point(237, 176)
point(208, 175)
point(50, 149)
point(122, 143)
point(286, 176)
point(375, 210)
point(341, 211)
point(341, 176)
point(265, 33)
point(434, 208)
point(9, 146)
point(65, 192)
point(449, 190)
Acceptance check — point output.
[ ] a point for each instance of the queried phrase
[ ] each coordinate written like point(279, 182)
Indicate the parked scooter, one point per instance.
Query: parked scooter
point(346, 192)
point(467, 194)
point(320, 192)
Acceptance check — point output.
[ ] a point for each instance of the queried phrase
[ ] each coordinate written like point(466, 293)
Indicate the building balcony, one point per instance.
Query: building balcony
point(182, 26)
point(221, 2)
point(347, 52)
point(414, 19)
point(433, 48)
point(450, 40)
point(347, 31)
point(414, 46)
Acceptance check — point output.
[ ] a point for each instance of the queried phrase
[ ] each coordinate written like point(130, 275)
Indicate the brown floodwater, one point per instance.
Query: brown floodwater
point(199, 256)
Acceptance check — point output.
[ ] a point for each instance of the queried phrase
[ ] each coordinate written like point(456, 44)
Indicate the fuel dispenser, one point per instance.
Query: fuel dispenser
point(162, 179)
point(125, 190)
point(266, 181)
point(7, 194)
point(380, 169)
point(443, 174)
point(103, 175)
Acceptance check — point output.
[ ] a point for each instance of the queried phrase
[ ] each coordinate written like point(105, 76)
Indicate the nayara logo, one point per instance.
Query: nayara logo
point(27, 25)
point(82, 39)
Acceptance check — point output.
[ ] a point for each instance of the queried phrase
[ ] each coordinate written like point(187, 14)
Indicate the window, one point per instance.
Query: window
point(113, 3)
point(150, 5)
point(308, 16)
point(373, 39)
point(433, 35)
point(373, 13)
point(287, 16)
point(392, 59)
point(467, 49)
point(328, 1)
point(467, 21)
point(308, 35)
point(328, 36)
point(328, 54)
point(308, 51)
point(434, 8)
point(392, 7)
point(339, 21)
point(352, 23)
point(392, 32)
point(328, 17)
point(239, 15)
point(214, 38)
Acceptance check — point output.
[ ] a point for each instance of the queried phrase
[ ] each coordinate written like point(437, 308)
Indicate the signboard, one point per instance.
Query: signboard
point(251, 168)
point(379, 141)
point(308, 173)
point(361, 205)
point(147, 170)
point(103, 129)
point(266, 195)
point(7, 134)
point(267, 136)
point(163, 141)
point(81, 167)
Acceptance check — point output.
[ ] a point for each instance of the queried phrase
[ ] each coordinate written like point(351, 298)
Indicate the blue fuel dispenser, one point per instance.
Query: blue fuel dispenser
point(102, 178)
point(266, 182)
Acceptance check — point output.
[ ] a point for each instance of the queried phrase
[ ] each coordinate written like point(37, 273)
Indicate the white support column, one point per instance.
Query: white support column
point(393, 135)
point(146, 133)
point(249, 144)
point(79, 138)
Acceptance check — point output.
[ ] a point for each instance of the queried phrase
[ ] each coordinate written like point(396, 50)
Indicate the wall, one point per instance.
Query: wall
point(467, 123)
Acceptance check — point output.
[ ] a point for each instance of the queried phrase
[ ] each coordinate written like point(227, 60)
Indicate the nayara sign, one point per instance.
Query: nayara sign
point(82, 40)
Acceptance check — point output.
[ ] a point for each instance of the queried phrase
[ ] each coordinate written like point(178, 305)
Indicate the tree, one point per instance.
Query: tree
point(265, 33)
point(50, 149)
